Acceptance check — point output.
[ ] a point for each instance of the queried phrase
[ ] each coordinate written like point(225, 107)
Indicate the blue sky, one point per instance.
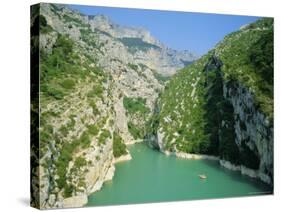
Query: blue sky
point(197, 32)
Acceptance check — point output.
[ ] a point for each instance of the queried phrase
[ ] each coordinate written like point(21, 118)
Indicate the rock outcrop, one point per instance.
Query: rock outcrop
point(253, 130)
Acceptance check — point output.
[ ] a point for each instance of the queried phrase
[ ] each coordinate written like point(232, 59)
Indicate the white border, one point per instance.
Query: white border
point(14, 111)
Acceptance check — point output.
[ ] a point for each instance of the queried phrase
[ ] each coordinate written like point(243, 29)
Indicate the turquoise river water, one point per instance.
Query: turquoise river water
point(154, 177)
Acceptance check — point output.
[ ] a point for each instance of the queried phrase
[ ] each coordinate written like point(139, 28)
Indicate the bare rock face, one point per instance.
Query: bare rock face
point(122, 120)
point(47, 41)
point(252, 129)
point(141, 46)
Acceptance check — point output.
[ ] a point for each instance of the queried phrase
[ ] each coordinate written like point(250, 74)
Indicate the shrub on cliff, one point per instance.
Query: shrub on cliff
point(119, 148)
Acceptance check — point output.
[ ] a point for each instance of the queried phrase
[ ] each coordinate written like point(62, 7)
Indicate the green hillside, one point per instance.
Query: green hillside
point(222, 104)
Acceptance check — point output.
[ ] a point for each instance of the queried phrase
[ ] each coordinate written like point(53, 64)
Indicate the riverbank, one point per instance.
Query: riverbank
point(225, 164)
point(123, 158)
point(257, 174)
point(191, 156)
point(131, 142)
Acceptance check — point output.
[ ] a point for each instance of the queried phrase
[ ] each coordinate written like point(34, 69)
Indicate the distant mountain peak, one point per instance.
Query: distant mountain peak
point(139, 42)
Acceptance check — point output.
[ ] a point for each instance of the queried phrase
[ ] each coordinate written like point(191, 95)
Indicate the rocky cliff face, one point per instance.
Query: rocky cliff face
point(98, 85)
point(253, 131)
point(222, 104)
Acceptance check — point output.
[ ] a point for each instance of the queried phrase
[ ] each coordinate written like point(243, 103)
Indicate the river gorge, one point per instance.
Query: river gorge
point(205, 122)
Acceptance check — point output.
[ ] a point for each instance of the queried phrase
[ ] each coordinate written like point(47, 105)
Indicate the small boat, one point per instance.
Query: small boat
point(202, 176)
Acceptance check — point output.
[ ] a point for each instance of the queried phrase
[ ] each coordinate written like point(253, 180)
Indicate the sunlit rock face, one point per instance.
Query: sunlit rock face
point(253, 129)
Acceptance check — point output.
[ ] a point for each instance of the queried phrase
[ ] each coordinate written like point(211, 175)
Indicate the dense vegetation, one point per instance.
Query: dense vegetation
point(181, 113)
point(219, 127)
point(56, 66)
point(137, 44)
point(214, 101)
point(248, 57)
point(119, 148)
point(135, 105)
point(137, 111)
